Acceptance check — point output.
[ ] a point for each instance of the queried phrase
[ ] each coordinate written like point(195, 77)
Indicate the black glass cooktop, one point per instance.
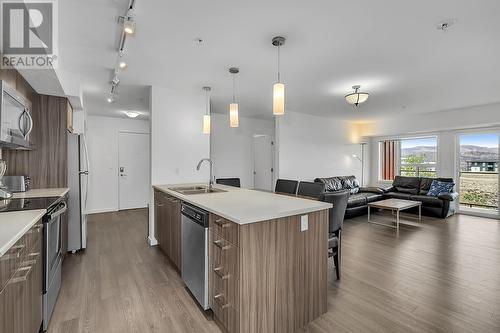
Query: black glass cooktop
point(11, 205)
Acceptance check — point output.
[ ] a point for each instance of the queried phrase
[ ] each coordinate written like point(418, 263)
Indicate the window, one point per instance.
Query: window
point(408, 157)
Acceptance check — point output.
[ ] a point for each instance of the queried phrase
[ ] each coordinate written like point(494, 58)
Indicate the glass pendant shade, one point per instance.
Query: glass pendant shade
point(278, 99)
point(233, 115)
point(206, 124)
point(356, 97)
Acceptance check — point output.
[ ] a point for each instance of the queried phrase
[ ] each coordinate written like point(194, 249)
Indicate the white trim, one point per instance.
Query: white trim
point(101, 210)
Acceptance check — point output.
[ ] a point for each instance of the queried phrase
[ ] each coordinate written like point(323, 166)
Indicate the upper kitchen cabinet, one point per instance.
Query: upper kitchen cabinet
point(46, 162)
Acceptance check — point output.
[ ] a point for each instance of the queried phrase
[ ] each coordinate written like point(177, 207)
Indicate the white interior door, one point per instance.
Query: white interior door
point(133, 169)
point(263, 162)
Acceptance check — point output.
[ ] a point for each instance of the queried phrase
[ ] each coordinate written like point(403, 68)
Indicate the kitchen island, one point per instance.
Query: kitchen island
point(267, 255)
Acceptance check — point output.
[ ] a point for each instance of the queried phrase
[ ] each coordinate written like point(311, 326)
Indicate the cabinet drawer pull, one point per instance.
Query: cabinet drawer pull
point(218, 243)
point(218, 272)
point(22, 278)
point(220, 299)
point(221, 224)
point(16, 251)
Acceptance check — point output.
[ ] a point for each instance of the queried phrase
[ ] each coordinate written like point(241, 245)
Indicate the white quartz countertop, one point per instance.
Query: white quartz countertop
point(247, 206)
point(13, 225)
point(42, 192)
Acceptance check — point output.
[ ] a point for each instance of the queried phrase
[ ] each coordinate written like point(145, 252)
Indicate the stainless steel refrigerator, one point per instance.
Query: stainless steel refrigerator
point(78, 182)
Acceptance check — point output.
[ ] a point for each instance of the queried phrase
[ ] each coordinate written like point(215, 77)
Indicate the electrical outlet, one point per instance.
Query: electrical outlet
point(304, 223)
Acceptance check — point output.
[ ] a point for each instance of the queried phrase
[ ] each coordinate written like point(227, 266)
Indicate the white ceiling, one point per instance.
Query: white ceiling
point(391, 48)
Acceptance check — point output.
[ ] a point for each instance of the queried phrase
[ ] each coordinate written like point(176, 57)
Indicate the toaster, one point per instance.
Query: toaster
point(17, 183)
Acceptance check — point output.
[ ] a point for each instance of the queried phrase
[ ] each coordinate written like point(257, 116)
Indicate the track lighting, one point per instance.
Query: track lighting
point(129, 23)
point(122, 65)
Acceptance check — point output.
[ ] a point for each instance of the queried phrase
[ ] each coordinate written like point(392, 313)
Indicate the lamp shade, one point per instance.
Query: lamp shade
point(233, 115)
point(206, 124)
point(278, 99)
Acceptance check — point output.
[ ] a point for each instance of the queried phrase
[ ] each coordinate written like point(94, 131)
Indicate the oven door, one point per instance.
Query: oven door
point(53, 245)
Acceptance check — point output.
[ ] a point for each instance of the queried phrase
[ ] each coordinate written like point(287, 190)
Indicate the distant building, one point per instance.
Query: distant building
point(482, 166)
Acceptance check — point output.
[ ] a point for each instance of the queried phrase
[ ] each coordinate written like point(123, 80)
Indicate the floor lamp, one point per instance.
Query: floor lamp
point(362, 160)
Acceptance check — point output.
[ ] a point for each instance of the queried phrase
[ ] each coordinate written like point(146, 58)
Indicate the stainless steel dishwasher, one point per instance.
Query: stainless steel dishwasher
point(194, 252)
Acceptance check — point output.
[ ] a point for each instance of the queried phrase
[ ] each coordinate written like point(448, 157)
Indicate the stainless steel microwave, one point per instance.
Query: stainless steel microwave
point(16, 122)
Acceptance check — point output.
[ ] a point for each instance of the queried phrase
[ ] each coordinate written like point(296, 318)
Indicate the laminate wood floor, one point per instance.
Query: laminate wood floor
point(431, 276)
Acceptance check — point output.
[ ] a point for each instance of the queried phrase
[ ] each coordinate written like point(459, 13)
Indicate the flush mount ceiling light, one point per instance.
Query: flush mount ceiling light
point(233, 107)
point(132, 114)
point(357, 97)
point(110, 99)
point(279, 87)
point(206, 116)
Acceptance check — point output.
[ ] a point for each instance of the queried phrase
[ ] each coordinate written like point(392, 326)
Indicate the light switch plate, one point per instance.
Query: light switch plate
point(304, 222)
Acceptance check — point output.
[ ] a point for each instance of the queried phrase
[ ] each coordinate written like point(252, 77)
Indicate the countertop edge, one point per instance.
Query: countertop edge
point(321, 206)
point(39, 193)
point(25, 229)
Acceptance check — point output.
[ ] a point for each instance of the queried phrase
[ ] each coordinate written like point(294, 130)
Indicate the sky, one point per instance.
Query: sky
point(418, 142)
point(483, 140)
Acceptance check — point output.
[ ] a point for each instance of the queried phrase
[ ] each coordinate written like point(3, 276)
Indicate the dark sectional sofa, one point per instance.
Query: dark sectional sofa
point(409, 188)
point(360, 196)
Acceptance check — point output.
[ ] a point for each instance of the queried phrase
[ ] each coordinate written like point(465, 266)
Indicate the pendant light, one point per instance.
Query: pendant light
point(279, 87)
point(206, 116)
point(357, 97)
point(233, 107)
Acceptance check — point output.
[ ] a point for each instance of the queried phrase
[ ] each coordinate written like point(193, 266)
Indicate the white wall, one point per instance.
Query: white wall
point(311, 146)
point(177, 141)
point(102, 139)
point(231, 149)
point(446, 125)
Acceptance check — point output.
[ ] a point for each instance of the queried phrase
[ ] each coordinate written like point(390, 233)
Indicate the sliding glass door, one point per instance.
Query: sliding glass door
point(478, 172)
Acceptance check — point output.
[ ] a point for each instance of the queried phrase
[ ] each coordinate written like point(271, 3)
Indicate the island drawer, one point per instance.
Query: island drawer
point(224, 269)
point(225, 228)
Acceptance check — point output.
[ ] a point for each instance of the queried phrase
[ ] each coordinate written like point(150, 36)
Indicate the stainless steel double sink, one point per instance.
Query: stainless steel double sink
point(188, 190)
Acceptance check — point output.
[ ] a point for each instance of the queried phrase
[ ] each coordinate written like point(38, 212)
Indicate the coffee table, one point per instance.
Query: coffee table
point(394, 205)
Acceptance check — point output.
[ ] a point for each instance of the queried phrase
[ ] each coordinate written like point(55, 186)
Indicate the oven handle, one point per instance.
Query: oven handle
point(59, 212)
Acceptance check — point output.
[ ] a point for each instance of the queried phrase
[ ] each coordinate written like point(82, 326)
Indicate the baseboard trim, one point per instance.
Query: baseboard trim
point(103, 210)
point(152, 241)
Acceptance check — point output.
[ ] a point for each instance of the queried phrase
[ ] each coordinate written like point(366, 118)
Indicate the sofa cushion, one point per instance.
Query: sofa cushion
point(428, 201)
point(331, 184)
point(350, 183)
point(438, 187)
point(356, 200)
point(425, 183)
point(409, 185)
point(398, 195)
point(371, 197)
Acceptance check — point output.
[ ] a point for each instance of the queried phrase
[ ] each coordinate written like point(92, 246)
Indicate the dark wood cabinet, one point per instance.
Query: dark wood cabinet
point(269, 276)
point(21, 295)
point(168, 226)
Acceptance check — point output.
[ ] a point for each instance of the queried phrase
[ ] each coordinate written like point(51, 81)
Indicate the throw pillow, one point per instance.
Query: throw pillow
point(438, 187)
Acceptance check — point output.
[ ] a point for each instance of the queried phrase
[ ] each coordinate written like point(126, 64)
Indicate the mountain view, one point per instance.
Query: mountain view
point(467, 153)
point(429, 152)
